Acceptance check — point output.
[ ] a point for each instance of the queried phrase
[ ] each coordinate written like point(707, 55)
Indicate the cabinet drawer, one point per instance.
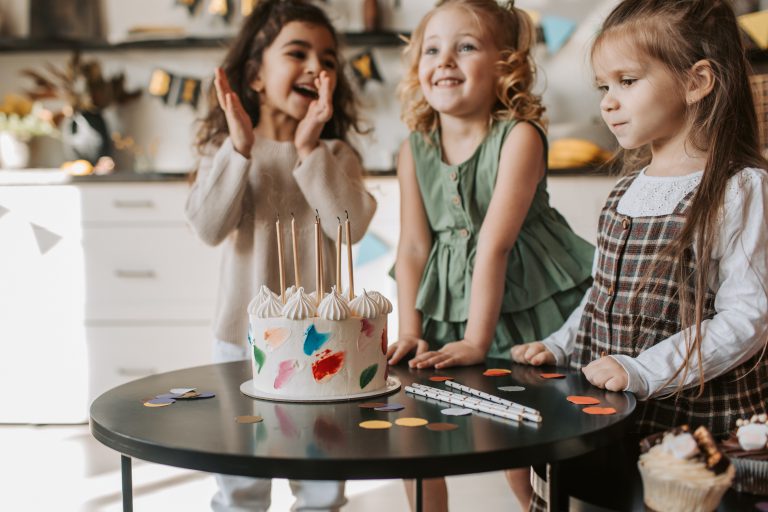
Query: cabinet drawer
point(134, 203)
point(148, 273)
point(120, 354)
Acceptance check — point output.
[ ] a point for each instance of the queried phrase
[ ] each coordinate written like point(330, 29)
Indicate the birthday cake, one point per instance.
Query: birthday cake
point(303, 349)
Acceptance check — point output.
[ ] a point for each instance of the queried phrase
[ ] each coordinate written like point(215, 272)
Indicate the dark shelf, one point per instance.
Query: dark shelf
point(19, 45)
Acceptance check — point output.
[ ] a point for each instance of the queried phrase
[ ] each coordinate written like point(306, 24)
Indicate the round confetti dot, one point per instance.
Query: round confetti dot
point(440, 378)
point(371, 405)
point(204, 394)
point(390, 408)
point(456, 411)
point(375, 424)
point(496, 372)
point(167, 395)
point(582, 400)
point(181, 391)
point(411, 422)
point(442, 427)
point(249, 419)
point(599, 410)
point(511, 388)
point(159, 402)
point(552, 376)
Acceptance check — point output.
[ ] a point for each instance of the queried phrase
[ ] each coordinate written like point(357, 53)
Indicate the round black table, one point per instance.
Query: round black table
point(322, 441)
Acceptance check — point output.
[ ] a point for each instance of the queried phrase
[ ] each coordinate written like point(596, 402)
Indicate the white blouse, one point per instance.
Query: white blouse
point(738, 329)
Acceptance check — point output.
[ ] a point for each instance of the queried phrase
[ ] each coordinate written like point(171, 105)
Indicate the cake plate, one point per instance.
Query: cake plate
point(393, 384)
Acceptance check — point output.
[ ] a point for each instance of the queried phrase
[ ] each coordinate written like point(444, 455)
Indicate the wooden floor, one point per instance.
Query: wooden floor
point(64, 468)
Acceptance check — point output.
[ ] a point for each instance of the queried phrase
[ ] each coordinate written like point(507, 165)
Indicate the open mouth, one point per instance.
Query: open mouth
point(306, 91)
point(447, 82)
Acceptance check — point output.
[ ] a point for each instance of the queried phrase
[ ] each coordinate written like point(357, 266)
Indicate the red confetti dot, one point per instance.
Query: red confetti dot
point(582, 400)
point(552, 376)
point(599, 410)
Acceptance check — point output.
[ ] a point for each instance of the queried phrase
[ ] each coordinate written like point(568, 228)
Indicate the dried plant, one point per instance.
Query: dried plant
point(80, 85)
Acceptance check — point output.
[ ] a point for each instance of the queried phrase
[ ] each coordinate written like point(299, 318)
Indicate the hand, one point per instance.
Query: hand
point(404, 346)
point(457, 353)
point(534, 354)
point(606, 373)
point(319, 112)
point(238, 121)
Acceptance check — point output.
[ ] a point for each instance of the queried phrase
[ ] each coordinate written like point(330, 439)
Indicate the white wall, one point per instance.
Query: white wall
point(565, 78)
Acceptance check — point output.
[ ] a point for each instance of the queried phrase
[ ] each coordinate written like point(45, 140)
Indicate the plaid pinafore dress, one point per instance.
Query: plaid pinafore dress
point(619, 318)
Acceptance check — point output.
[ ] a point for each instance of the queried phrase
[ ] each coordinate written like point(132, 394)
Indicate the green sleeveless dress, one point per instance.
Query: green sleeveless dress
point(548, 270)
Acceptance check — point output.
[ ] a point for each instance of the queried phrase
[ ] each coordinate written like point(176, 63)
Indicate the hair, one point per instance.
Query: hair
point(723, 124)
point(513, 33)
point(243, 62)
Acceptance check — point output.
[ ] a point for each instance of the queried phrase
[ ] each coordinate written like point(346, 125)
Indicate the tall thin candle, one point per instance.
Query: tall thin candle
point(320, 250)
point(338, 256)
point(317, 258)
point(280, 264)
point(296, 274)
point(349, 257)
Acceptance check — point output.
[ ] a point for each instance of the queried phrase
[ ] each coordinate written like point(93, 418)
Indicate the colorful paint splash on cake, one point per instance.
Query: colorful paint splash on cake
point(313, 340)
point(328, 364)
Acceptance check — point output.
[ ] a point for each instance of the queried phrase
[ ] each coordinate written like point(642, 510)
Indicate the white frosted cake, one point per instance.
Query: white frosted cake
point(303, 351)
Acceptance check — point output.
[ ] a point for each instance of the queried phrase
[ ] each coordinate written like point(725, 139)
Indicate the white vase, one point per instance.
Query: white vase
point(14, 152)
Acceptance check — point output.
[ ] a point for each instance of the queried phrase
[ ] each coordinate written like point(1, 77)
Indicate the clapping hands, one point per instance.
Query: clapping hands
point(319, 112)
point(238, 121)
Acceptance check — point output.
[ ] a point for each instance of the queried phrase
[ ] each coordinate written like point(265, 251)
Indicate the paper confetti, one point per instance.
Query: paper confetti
point(552, 376)
point(248, 419)
point(440, 378)
point(599, 410)
point(496, 372)
point(371, 405)
point(511, 388)
point(159, 402)
point(456, 411)
point(582, 400)
point(411, 422)
point(375, 424)
point(390, 408)
point(442, 427)
point(181, 391)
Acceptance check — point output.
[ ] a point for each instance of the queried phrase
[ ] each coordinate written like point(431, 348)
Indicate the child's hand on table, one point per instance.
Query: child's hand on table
point(534, 354)
point(457, 353)
point(404, 346)
point(606, 373)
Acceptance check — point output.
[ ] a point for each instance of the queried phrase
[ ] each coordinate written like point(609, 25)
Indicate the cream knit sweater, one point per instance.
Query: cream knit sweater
point(235, 202)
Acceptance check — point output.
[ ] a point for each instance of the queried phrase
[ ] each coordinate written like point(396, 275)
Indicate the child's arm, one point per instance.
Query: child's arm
point(738, 330)
point(521, 167)
point(556, 349)
point(412, 252)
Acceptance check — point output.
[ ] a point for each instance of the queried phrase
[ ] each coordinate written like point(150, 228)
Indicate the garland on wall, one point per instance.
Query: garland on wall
point(174, 89)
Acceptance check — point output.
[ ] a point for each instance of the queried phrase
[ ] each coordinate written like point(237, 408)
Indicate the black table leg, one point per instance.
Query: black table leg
point(553, 477)
point(125, 466)
point(419, 498)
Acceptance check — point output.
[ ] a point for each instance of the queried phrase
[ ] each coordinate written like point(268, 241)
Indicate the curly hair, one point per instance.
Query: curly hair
point(513, 33)
point(244, 59)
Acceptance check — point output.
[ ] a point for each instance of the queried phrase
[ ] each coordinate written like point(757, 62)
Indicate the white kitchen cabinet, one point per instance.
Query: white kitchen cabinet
point(100, 283)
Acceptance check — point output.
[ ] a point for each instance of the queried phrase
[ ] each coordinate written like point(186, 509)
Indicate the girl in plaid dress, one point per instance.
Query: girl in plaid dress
point(678, 309)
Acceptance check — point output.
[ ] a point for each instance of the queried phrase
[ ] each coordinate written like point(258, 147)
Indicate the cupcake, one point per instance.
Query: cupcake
point(747, 447)
point(683, 472)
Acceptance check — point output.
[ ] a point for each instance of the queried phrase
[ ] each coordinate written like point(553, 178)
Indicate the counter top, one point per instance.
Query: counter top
point(59, 177)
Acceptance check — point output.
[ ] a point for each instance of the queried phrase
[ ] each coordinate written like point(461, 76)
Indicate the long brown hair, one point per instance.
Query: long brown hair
point(244, 59)
point(514, 35)
point(723, 126)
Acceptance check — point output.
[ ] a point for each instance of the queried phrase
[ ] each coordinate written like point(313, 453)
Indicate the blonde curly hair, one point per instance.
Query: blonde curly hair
point(513, 33)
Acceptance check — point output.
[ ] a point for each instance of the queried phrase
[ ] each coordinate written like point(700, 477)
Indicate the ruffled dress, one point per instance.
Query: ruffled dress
point(549, 267)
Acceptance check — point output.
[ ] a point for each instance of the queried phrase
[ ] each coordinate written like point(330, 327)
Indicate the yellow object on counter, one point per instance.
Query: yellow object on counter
point(569, 153)
point(77, 168)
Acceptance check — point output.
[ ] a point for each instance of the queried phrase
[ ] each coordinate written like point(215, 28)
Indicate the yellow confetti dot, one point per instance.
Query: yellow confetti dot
point(147, 404)
point(375, 424)
point(248, 419)
point(411, 422)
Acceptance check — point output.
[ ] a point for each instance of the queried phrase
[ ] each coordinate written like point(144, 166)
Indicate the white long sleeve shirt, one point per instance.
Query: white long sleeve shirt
point(739, 280)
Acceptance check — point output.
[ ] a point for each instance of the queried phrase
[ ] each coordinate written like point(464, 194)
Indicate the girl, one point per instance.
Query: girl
point(274, 143)
point(476, 216)
point(678, 310)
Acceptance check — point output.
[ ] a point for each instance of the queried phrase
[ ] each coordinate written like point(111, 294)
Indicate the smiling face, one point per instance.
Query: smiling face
point(286, 79)
point(642, 100)
point(457, 66)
